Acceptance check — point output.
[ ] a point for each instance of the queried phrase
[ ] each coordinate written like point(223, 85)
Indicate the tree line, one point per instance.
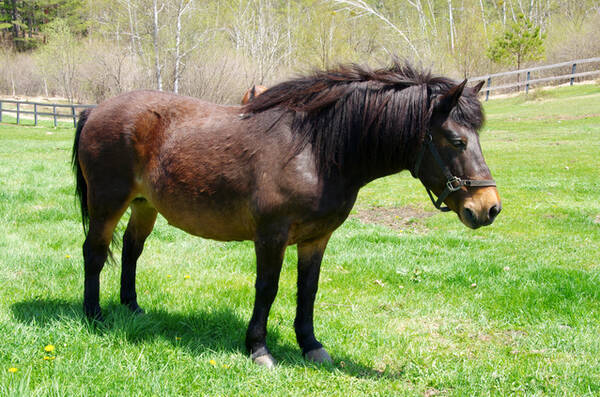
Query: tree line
point(214, 49)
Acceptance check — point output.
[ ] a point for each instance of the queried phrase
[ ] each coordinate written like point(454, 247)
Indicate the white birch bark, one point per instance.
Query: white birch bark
point(451, 20)
point(483, 19)
point(431, 7)
point(132, 31)
point(288, 54)
point(155, 31)
point(422, 22)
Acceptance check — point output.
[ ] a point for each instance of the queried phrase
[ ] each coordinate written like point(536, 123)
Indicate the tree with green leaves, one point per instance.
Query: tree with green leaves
point(22, 21)
point(521, 42)
point(59, 58)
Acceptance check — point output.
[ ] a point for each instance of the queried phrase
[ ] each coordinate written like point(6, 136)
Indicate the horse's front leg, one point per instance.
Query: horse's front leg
point(310, 255)
point(270, 248)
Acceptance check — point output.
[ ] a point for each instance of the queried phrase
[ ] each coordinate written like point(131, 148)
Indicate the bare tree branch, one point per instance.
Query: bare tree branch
point(368, 10)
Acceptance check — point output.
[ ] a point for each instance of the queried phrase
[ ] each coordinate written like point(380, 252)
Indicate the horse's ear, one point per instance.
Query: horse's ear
point(253, 91)
point(446, 102)
point(478, 87)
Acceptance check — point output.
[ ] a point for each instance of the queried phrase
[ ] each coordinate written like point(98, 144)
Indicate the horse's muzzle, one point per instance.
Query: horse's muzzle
point(480, 208)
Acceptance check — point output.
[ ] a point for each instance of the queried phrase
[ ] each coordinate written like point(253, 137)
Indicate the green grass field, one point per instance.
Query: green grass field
point(418, 306)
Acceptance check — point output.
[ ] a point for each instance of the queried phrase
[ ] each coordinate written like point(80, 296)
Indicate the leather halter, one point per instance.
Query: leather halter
point(453, 183)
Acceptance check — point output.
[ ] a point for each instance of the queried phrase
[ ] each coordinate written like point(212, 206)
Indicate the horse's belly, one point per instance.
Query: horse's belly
point(222, 231)
point(217, 221)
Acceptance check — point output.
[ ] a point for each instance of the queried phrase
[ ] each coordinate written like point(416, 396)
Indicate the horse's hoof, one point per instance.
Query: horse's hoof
point(138, 311)
point(319, 356)
point(94, 315)
point(266, 361)
point(263, 358)
point(135, 308)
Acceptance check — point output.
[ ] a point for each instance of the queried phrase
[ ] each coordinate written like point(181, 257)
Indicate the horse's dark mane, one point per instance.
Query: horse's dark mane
point(370, 118)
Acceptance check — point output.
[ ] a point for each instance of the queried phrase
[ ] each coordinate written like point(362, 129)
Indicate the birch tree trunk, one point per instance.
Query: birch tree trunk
point(132, 30)
point(157, 65)
point(451, 18)
point(288, 54)
point(431, 7)
point(422, 21)
point(176, 72)
point(483, 20)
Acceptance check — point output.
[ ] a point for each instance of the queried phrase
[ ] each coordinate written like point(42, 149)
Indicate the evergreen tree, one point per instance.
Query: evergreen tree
point(520, 43)
point(22, 21)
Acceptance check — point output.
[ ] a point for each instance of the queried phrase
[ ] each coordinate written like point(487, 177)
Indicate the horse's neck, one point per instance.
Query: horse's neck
point(385, 150)
point(351, 179)
point(381, 164)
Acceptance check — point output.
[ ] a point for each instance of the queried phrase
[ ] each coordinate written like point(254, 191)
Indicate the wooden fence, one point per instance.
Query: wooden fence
point(48, 110)
point(580, 69)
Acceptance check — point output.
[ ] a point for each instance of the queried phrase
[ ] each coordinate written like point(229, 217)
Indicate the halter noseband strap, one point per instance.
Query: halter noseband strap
point(453, 183)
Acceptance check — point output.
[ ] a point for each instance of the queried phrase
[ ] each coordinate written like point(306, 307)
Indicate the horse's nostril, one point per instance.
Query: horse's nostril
point(494, 211)
point(469, 215)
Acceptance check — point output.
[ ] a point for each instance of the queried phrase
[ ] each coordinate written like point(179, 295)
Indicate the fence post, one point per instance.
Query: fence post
point(18, 112)
point(573, 72)
point(527, 85)
point(487, 93)
point(74, 117)
point(35, 113)
point(54, 114)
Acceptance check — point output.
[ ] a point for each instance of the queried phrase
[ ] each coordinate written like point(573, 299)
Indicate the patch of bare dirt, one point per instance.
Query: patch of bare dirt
point(397, 218)
point(432, 393)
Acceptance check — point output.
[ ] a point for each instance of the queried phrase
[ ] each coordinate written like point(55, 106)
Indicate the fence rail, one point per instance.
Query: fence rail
point(38, 109)
point(35, 108)
point(527, 80)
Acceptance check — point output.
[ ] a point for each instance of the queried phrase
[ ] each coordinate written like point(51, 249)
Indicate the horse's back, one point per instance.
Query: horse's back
point(137, 125)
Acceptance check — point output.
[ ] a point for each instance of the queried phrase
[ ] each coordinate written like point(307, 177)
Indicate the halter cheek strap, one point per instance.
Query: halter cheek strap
point(453, 183)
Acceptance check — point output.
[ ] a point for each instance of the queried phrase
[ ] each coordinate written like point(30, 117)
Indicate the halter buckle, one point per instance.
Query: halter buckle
point(453, 184)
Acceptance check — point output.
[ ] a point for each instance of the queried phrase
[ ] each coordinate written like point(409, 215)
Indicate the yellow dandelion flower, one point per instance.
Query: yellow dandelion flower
point(212, 362)
point(225, 366)
point(178, 338)
point(49, 348)
point(169, 276)
point(12, 370)
point(67, 256)
point(49, 358)
point(187, 276)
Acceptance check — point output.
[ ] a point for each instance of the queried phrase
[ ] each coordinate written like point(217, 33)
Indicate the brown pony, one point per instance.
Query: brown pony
point(285, 169)
point(253, 92)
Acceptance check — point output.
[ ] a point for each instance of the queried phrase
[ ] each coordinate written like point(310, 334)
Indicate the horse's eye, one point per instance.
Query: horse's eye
point(458, 143)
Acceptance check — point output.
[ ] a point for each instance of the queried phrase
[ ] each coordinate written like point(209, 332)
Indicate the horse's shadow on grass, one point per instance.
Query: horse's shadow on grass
point(215, 330)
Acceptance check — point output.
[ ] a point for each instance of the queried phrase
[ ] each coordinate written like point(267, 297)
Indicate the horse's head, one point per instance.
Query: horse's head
point(451, 163)
point(255, 91)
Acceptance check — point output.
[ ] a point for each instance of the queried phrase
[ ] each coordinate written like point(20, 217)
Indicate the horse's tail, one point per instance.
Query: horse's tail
point(80, 183)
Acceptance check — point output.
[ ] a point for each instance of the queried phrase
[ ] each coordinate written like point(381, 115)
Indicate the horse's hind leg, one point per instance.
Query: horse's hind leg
point(95, 252)
point(106, 206)
point(141, 222)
